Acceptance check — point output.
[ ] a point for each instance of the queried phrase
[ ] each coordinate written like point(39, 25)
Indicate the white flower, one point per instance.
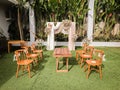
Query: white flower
point(86, 41)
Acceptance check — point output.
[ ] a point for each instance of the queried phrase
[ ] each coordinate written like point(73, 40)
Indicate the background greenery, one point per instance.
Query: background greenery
point(58, 10)
point(106, 11)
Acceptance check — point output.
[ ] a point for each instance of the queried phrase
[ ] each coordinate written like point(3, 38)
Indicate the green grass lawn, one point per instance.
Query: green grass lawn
point(45, 77)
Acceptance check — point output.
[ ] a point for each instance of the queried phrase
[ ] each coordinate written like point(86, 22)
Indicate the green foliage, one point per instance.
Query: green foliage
point(61, 37)
point(107, 11)
point(58, 10)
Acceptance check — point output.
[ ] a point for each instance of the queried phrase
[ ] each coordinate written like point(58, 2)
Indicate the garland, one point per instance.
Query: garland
point(63, 27)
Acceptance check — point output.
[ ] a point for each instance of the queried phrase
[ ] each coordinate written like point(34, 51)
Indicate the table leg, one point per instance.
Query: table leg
point(76, 56)
point(56, 64)
point(8, 48)
point(67, 63)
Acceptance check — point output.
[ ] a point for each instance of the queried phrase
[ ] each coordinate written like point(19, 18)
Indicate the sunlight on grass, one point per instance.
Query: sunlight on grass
point(45, 77)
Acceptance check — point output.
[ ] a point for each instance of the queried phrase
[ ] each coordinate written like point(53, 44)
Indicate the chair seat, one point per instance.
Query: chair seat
point(93, 62)
point(80, 51)
point(37, 51)
point(24, 62)
point(32, 55)
point(86, 56)
point(20, 50)
point(24, 47)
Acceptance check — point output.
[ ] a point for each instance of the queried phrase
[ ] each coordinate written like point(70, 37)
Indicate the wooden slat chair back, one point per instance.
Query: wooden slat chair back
point(31, 55)
point(37, 51)
point(83, 50)
point(89, 50)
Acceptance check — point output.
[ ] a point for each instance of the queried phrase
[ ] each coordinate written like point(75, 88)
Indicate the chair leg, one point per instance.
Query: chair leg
point(76, 56)
point(100, 71)
point(32, 65)
point(23, 68)
point(85, 67)
point(18, 67)
point(57, 64)
point(67, 63)
point(35, 60)
point(81, 62)
point(29, 71)
point(41, 55)
point(88, 71)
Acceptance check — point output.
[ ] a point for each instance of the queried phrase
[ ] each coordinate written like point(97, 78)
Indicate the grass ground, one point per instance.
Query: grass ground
point(44, 77)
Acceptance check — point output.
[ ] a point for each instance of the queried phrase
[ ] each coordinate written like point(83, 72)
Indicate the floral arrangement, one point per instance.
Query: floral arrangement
point(86, 41)
point(74, 37)
point(39, 43)
point(66, 24)
point(48, 28)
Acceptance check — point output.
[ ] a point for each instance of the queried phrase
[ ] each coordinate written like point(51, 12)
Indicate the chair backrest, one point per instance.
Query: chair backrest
point(84, 46)
point(33, 47)
point(17, 56)
point(98, 55)
point(28, 50)
point(89, 50)
point(20, 55)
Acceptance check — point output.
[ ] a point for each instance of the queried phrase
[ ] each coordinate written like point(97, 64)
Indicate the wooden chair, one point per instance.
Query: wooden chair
point(37, 51)
point(96, 62)
point(86, 55)
point(31, 55)
point(78, 52)
point(22, 61)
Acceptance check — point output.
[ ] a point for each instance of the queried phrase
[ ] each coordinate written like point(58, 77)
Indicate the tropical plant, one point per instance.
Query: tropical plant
point(106, 11)
point(58, 10)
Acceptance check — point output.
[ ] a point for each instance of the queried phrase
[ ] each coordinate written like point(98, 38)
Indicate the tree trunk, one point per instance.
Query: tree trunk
point(19, 25)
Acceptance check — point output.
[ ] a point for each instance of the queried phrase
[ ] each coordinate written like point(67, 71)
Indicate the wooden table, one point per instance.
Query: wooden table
point(61, 52)
point(14, 42)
